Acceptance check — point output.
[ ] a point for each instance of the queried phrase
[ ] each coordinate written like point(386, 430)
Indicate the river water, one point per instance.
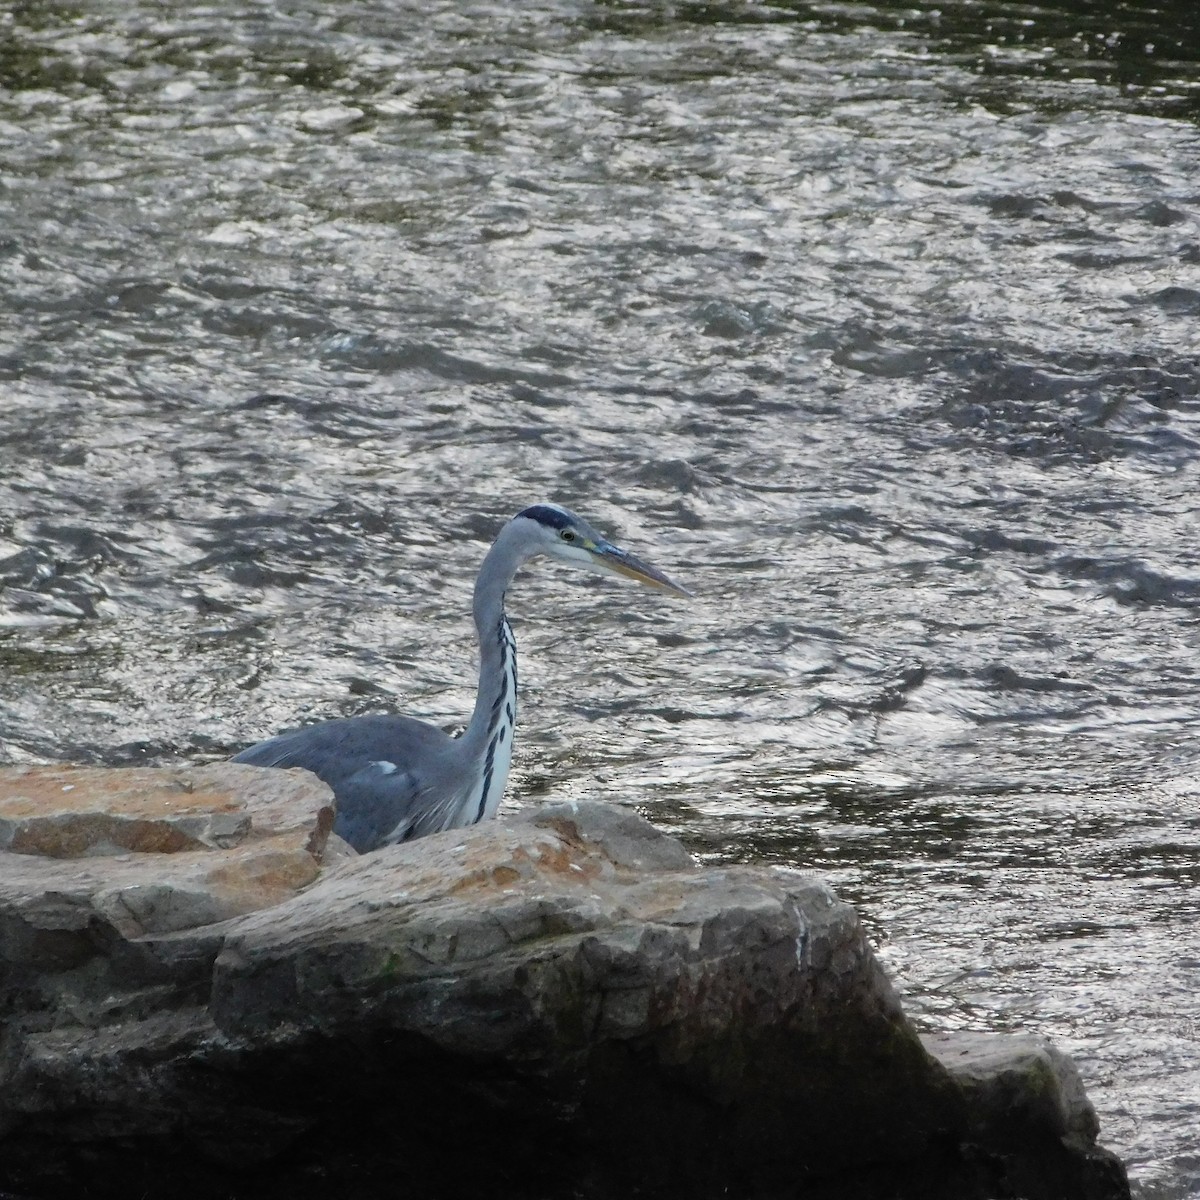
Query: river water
point(877, 325)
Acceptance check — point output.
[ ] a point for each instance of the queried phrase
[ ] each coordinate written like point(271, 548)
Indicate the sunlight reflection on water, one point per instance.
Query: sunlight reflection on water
point(874, 325)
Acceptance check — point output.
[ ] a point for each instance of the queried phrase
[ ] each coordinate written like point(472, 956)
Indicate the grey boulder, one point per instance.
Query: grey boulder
point(562, 1004)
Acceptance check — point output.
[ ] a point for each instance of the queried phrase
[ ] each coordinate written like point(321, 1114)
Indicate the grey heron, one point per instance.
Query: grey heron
point(396, 778)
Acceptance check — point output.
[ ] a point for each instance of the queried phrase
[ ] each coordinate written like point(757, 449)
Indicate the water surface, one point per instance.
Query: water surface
point(876, 325)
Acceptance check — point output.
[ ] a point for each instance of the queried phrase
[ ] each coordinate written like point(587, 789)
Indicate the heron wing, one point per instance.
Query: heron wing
point(391, 775)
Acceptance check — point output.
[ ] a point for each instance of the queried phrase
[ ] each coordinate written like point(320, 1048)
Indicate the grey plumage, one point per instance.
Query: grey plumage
point(397, 778)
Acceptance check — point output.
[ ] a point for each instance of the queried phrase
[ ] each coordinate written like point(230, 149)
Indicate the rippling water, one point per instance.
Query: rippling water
point(877, 325)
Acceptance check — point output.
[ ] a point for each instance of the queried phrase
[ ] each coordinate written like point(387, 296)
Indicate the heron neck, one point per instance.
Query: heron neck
point(497, 650)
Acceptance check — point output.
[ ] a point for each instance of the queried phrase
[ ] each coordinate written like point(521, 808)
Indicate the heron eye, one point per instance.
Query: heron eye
point(567, 535)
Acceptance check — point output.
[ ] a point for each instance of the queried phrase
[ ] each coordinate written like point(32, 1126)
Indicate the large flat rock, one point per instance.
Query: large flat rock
point(76, 812)
point(155, 850)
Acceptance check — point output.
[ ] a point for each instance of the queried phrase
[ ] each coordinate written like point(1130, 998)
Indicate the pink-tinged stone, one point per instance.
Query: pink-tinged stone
point(77, 812)
point(155, 851)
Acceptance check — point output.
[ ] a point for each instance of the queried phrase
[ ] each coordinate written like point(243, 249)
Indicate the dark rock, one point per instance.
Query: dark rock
point(1031, 1122)
point(561, 1005)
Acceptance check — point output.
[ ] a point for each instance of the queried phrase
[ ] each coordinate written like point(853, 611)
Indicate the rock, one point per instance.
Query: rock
point(154, 850)
point(73, 812)
point(562, 1004)
point(1022, 1093)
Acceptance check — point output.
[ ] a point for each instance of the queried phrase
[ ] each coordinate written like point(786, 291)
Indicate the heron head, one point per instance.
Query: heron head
point(561, 534)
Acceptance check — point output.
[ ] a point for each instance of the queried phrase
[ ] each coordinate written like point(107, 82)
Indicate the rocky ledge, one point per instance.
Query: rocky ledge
point(205, 995)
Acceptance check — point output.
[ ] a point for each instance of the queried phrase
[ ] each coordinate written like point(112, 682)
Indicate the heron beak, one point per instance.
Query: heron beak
point(612, 559)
